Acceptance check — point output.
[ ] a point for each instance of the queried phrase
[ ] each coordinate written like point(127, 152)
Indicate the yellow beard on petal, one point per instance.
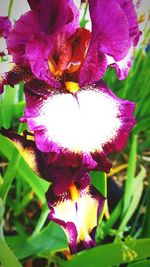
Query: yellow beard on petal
point(72, 87)
point(74, 192)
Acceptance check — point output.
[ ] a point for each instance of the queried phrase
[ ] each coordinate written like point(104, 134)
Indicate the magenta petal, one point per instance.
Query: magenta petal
point(58, 15)
point(112, 34)
point(5, 26)
point(94, 65)
point(129, 10)
point(79, 136)
point(77, 211)
point(21, 34)
point(123, 66)
point(39, 47)
point(34, 4)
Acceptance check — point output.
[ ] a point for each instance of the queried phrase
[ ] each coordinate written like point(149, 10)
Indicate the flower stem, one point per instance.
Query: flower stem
point(42, 219)
point(10, 8)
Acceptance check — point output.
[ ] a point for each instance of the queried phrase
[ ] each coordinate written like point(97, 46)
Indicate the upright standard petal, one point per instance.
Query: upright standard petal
point(77, 211)
point(20, 35)
point(34, 4)
point(92, 123)
point(114, 38)
point(109, 26)
point(129, 10)
point(123, 66)
point(58, 15)
point(50, 18)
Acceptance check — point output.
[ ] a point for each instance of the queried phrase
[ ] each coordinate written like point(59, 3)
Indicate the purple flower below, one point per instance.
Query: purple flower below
point(69, 195)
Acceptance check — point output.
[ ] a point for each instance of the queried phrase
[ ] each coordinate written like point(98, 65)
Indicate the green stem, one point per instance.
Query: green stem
point(10, 174)
point(10, 8)
point(42, 219)
point(83, 20)
point(130, 174)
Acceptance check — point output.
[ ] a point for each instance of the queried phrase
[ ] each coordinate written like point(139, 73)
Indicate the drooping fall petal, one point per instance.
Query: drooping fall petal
point(89, 123)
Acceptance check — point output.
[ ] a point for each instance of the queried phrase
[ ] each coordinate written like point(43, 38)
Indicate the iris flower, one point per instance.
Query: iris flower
point(76, 119)
point(74, 204)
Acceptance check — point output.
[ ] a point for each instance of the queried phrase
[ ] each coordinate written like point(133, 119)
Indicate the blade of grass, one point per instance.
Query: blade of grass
point(112, 220)
point(137, 190)
point(42, 219)
point(146, 222)
point(38, 185)
point(7, 258)
point(130, 174)
point(10, 174)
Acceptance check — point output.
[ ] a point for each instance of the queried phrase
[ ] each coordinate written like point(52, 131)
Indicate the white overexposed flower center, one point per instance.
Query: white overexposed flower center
point(83, 122)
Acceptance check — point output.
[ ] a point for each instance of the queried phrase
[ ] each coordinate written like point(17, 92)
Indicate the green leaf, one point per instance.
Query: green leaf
point(51, 238)
point(7, 258)
point(99, 180)
point(6, 106)
point(146, 222)
point(136, 192)
point(23, 171)
point(10, 174)
point(108, 255)
point(116, 213)
point(130, 174)
point(145, 263)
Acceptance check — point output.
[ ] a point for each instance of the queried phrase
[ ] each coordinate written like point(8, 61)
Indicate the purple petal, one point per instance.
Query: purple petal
point(5, 26)
point(109, 26)
point(129, 10)
point(58, 15)
point(123, 66)
point(20, 35)
point(34, 4)
point(14, 75)
point(40, 47)
point(77, 211)
point(93, 123)
point(94, 65)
